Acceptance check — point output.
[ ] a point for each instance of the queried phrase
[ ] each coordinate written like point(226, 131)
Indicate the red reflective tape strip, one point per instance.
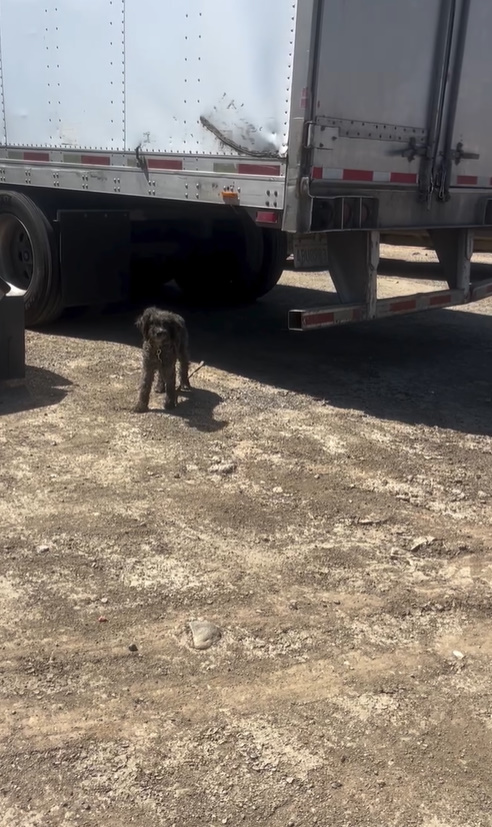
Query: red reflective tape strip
point(36, 156)
point(258, 169)
point(318, 318)
point(404, 304)
point(467, 180)
point(96, 160)
point(438, 300)
point(403, 178)
point(164, 163)
point(357, 175)
point(369, 175)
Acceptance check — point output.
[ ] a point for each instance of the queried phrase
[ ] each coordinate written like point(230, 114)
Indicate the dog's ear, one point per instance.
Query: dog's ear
point(143, 323)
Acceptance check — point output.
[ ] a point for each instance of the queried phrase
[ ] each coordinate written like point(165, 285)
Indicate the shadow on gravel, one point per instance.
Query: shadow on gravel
point(197, 409)
point(433, 369)
point(40, 389)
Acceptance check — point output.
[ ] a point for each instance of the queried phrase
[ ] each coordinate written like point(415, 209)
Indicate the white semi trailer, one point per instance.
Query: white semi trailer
point(209, 131)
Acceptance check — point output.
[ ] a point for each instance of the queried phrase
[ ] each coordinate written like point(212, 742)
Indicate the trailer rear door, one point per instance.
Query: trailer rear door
point(473, 119)
point(376, 71)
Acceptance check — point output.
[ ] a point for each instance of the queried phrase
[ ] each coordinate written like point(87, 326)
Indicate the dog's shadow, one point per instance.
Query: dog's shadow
point(197, 407)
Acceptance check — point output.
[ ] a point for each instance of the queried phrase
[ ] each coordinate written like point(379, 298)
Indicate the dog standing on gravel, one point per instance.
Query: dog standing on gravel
point(165, 342)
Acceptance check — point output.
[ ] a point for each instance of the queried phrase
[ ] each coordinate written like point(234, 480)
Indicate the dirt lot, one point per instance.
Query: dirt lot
point(343, 547)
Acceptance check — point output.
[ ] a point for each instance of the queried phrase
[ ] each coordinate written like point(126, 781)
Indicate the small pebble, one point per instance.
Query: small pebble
point(42, 549)
point(102, 619)
point(133, 647)
point(204, 633)
point(459, 655)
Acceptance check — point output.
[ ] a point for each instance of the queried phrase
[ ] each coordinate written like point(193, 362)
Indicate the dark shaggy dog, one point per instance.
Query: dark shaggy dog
point(165, 342)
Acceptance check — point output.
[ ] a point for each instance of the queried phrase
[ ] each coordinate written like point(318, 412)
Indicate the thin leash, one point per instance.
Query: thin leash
point(195, 370)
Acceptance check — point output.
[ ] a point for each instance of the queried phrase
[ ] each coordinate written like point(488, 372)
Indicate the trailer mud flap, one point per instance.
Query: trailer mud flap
point(94, 256)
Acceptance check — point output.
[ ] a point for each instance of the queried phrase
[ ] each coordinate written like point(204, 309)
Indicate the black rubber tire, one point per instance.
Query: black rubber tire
point(273, 265)
point(42, 297)
point(238, 264)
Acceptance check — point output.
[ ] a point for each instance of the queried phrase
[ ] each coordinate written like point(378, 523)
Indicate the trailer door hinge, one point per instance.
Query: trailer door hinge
point(459, 154)
point(309, 142)
point(319, 136)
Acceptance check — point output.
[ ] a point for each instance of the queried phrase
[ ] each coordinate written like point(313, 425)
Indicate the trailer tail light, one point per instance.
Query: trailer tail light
point(344, 213)
point(488, 212)
point(347, 213)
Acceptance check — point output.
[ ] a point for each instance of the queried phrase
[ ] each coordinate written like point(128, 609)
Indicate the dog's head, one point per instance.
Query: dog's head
point(155, 326)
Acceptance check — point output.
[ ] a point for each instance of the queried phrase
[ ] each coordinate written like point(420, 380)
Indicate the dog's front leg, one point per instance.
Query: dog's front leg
point(160, 385)
point(145, 387)
point(169, 380)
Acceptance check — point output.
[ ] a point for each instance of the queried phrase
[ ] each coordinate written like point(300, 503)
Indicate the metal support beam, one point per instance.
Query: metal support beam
point(353, 259)
point(454, 249)
point(317, 317)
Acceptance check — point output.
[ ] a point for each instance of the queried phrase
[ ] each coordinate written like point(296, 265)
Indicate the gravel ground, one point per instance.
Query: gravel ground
point(324, 499)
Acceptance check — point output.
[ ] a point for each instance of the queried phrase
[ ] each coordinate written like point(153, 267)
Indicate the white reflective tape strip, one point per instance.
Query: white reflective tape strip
point(332, 174)
point(382, 177)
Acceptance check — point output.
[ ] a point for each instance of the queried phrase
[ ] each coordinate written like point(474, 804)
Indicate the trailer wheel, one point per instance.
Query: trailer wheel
point(273, 264)
point(29, 257)
point(239, 263)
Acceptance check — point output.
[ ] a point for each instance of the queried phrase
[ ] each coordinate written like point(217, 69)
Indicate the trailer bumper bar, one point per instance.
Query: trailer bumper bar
point(317, 317)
